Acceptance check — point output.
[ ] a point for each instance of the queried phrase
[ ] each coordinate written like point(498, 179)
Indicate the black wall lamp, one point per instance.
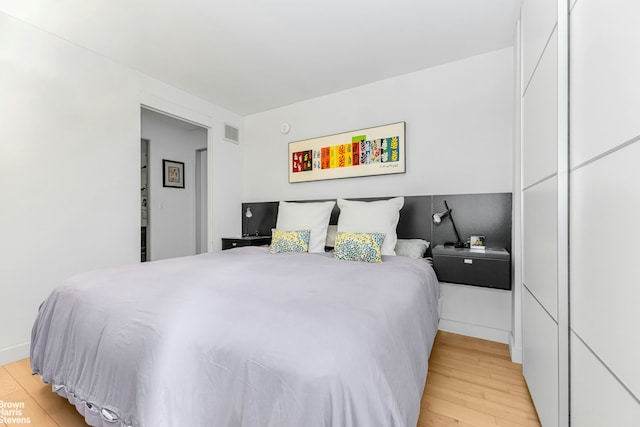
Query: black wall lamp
point(437, 219)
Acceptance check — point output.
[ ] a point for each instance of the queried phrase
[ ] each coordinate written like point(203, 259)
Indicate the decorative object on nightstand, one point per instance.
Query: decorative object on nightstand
point(476, 242)
point(490, 268)
point(437, 219)
point(236, 242)
point(247, 215)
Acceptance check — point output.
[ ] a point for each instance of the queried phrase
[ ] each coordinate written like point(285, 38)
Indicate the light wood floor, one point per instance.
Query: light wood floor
point(471, 382)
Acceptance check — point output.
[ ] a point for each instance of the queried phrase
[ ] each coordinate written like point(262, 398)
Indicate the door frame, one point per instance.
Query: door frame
point(200, 194)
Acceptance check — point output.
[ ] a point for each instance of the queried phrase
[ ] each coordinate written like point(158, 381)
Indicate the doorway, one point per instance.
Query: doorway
point(176, 211)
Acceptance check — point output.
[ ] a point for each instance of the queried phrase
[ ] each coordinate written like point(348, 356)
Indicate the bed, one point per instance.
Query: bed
point(242, 338)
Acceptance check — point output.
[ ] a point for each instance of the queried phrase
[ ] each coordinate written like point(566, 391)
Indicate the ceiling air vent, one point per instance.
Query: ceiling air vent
point(231, 134)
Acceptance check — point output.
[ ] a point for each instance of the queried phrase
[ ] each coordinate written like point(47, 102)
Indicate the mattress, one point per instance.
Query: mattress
point(242, 338)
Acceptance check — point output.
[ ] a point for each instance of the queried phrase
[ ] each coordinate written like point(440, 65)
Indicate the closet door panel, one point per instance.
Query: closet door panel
point(605, 269)
point(540, 359)
point(597, 399)
point(540, 248)
point(605, 87)
point(538, 20)
point(540, 120)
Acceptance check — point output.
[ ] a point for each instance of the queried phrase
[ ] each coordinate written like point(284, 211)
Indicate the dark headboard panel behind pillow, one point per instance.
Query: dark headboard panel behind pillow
point(486, 213)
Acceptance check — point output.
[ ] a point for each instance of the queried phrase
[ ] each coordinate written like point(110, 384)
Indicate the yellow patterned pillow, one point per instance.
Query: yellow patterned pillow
point(289, 241)
point(359, 246)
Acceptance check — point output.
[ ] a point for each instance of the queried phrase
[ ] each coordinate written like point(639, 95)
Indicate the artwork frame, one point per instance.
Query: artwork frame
point(371, 151)
point(172, 174)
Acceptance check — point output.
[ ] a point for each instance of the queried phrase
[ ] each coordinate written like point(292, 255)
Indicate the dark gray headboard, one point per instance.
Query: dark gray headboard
point(488, 214)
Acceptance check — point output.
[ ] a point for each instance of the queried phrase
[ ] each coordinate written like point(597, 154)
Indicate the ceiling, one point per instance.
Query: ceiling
point(254, 55)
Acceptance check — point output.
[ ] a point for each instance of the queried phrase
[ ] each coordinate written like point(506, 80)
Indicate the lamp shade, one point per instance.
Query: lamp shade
point(437, 217)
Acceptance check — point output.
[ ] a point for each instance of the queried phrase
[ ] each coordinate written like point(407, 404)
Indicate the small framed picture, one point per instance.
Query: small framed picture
point(477, 242)
point(172, 174)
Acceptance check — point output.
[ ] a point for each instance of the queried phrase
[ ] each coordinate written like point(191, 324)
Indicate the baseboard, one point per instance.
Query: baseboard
point(516, 352)
point(476, 331)
point(17, 352)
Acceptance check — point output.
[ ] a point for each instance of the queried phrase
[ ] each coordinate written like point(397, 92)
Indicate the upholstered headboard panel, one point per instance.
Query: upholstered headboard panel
point(488, 214)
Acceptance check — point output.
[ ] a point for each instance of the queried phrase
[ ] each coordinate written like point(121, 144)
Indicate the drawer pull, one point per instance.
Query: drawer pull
point(468, 261)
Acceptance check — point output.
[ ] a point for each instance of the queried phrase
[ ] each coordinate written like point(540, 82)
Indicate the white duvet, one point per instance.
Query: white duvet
point(242, 338)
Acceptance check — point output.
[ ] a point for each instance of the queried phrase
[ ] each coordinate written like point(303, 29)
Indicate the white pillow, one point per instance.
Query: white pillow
point(412, 248)
point(380, 216)
point(312, 216)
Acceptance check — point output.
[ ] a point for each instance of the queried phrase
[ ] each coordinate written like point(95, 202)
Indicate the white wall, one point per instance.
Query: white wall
point(605, 207)
point(458, 116)
point(172, 211)
point(70, 160)
point(71, 199)
point(476, 312)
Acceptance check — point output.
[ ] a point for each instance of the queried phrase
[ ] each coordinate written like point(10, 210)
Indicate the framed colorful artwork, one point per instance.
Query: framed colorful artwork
point(172, 174)
point(374, 151)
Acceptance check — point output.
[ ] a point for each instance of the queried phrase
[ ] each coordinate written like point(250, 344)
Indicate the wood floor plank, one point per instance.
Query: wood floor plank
point(482, 391)
point(487, 370)
point(498, 349)
point(510, 378)
point(8, 384)
point(506, 412)
point(65, 414)
point(58, 408)
point(510, 399)
point(471, 378)
point(19, 369)
point(507, 423)
point(40, 391)
point(462, 413)
point(471, 383)
point(434, 419)
point(488, 360)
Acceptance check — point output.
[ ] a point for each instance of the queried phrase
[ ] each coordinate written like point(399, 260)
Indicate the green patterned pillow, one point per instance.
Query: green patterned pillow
point(289, 241)
point(359, 246)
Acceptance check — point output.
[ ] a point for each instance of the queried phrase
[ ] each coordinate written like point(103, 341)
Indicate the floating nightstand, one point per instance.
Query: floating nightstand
point(490, 268)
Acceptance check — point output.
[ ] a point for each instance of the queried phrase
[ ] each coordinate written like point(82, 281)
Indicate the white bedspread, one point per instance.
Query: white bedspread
point(242, 338)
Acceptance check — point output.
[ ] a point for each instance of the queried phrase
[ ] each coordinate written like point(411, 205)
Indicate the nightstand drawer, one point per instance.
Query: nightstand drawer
point(230, 243)
point(479, 272)
point(234, 243)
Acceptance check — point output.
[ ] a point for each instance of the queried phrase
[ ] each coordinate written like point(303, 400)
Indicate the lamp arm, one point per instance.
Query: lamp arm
point(455, 230)
point(459, 242)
